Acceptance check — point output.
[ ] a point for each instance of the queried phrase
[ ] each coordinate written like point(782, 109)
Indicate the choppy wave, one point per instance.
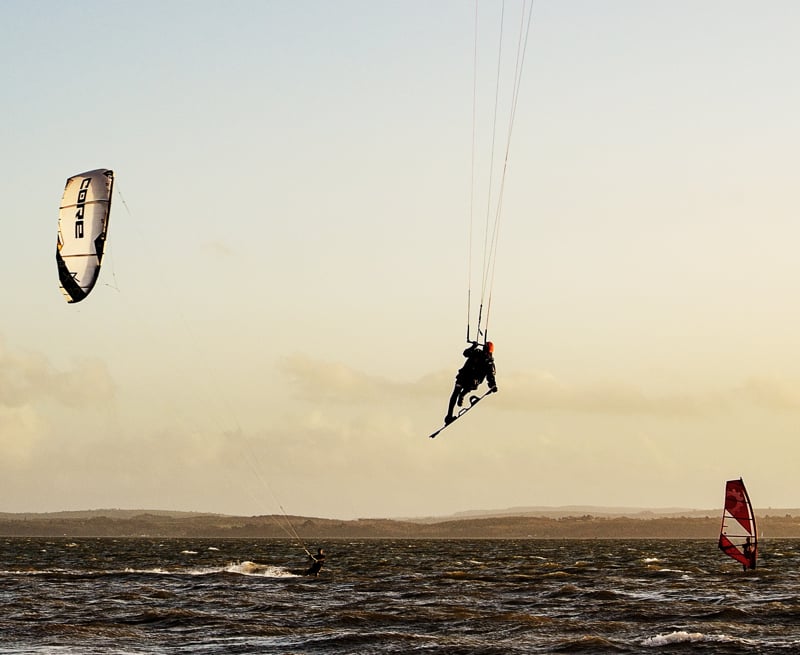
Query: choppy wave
point(154, 596)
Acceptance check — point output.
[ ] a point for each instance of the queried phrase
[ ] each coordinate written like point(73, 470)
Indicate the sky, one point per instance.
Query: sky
point(282, 305)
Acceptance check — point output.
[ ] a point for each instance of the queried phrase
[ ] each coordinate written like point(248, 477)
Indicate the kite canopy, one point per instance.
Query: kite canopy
point(82, 226)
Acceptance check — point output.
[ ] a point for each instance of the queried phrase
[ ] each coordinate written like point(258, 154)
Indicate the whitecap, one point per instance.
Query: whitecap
point(683, 637)
point(679, 637)
point(264, 570)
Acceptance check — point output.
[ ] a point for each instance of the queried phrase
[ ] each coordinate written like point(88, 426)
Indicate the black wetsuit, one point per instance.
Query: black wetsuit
point(750, 554)
point(316, 563)
point(479, 366)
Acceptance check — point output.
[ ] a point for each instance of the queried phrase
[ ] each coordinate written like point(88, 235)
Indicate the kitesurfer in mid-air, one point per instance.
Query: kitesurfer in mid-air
point(479, 366)
point(316, 562)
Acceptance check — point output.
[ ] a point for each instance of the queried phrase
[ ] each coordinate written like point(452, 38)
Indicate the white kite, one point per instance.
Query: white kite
point(82, 227)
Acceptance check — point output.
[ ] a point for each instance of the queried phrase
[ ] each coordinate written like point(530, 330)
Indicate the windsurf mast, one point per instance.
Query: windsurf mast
point(738, 536)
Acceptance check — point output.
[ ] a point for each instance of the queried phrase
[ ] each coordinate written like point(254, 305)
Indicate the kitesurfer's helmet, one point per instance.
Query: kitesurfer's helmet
point(489, 347)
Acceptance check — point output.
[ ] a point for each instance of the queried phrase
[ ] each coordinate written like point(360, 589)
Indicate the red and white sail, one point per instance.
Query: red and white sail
point(738, 537)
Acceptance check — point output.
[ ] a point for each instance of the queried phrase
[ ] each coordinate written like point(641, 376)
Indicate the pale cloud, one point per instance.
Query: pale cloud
point(29, 377)
point(20, 377)
point(20, 432)
point(537, 391)
point(350, 444)
point(314, 379)
point(28, 381)
point(772, 393)
point(219, 249)
point(544, 392)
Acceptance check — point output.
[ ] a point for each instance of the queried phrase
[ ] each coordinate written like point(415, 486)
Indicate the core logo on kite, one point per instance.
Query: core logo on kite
point(81, 207)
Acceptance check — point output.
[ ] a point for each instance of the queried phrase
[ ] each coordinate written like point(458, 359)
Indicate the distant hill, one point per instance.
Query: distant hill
point(582, 510)
point(111, 513)
point(529, 523)
point(608, 512)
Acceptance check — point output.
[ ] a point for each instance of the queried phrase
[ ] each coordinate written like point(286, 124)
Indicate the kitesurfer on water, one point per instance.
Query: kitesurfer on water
point(479, 366)
point(316, 562)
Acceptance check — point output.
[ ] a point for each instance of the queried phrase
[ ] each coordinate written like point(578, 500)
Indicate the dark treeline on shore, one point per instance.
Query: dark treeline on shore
point(129, 523)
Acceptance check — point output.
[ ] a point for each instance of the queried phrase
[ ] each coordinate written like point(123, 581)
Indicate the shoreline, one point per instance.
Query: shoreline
point(132, 523)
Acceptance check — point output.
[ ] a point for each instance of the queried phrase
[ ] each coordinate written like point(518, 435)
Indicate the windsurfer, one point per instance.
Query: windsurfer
point(316, 562)
point(749, 551)
point(479, 366)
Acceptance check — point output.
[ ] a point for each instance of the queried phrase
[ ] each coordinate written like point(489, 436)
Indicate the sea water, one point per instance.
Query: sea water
point(206, 596)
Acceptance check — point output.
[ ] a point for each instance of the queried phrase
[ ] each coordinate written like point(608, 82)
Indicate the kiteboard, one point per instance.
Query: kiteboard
point(473, 400)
